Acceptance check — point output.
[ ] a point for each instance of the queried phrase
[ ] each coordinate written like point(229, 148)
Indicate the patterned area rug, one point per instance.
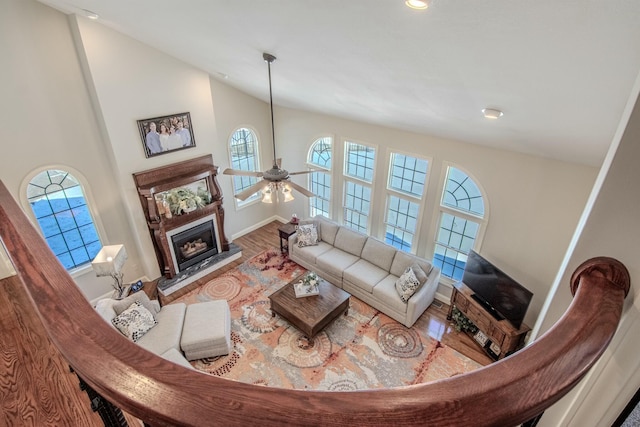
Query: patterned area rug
point(363, 350)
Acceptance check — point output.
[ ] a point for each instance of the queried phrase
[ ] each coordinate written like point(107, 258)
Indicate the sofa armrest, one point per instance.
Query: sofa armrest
point(423, 298)
point(293, 240)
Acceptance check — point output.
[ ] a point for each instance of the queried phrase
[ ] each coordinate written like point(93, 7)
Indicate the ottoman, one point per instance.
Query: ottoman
point(206, 330)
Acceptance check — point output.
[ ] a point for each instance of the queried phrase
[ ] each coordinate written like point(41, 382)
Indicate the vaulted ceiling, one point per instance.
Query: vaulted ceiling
point(561, 71)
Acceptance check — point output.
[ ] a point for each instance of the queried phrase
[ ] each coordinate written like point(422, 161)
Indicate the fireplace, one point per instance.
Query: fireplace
point(191, 244)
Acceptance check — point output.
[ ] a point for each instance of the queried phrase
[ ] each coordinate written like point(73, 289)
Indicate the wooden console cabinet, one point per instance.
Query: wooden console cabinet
point(500, 332)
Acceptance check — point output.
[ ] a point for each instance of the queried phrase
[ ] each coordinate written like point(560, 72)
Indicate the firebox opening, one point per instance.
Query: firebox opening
point(194, 245)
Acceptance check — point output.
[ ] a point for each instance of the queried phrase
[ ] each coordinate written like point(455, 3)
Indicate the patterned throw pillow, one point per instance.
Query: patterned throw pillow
point(134, 322)
point(307, 235)
point(407, 284)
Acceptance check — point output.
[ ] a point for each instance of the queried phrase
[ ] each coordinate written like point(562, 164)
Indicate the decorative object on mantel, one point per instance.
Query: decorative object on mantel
point(184, 200)
point(275, 180)
point(308, 286)
point(109, 262)
point(161, 135)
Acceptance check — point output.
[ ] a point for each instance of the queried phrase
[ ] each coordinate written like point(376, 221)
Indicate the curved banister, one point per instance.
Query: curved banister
point(159, 392)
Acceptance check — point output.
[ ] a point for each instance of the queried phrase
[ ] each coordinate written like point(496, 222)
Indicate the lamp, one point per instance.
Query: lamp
point(109, 262)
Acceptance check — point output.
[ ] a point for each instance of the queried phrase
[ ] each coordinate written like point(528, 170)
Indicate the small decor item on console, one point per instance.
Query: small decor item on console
point(308, 286)
point(294, 219)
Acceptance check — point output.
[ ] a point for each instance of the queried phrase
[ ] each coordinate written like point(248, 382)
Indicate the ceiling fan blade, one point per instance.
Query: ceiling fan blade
point(301, 189)
point(244, 195)
point(230, 171)
point(303, 172)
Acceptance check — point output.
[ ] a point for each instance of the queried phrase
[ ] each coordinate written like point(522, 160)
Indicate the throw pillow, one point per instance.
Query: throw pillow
point(407, 284)
point(134, 322)
point(139, 296)
point(307, 235)
point(314, 222)
point(419, 273)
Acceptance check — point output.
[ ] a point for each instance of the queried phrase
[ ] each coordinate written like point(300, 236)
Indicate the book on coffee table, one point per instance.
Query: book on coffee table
point(305, 290)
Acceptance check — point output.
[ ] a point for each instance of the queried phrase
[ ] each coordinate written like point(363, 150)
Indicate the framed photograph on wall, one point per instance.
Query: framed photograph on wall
point(161, 135)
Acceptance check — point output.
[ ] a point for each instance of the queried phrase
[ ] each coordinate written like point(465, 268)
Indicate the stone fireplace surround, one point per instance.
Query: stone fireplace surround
point(156, 181)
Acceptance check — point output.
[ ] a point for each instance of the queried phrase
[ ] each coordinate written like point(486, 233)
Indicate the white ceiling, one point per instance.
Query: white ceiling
point(561, 70)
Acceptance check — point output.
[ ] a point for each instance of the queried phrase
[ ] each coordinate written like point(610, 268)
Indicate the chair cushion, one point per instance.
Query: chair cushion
point(134, 321)
point(166, 334)
point(120, 305)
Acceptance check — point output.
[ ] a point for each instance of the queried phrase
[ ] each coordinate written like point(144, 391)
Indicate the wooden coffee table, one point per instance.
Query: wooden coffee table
point(310, 314)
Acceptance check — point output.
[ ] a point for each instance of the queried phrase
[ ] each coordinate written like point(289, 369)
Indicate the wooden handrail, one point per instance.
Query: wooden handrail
point(159, 392)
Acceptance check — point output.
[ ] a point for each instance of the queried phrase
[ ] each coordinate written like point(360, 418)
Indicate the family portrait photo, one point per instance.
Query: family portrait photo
point(161, 135)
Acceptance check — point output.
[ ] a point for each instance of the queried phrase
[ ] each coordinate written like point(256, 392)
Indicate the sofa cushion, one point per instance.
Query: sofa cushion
point(328, 229)
point(176, 357)
point(407, 284)
point(168, 331)
point(335, 261)
point(310, 253)
point(364, 275)
point(402, 260)
point(307, 235)
point(134, 322)
point(378, 253)
point(104, 307)
point(350, 241)
point(420, 274)
point(385, 292)
point(120, 305)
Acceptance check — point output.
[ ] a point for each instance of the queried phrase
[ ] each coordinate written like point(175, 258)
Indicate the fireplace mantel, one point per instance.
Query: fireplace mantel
point(151, 182)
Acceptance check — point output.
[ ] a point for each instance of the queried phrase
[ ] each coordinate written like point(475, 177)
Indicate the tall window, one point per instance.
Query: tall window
point(243, 148)
point(320, 182)
point(461, 215)
point(359, 162)
point(58, 203)
point(405, 188)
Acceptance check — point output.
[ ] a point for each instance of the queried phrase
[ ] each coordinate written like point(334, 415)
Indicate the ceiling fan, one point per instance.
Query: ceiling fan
point(275, 179)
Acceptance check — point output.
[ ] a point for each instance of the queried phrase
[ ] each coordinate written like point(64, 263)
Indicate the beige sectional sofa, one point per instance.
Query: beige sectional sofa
point(366, 268)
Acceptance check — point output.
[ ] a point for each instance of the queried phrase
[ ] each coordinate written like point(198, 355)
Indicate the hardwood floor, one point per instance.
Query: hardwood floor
point(37, 388)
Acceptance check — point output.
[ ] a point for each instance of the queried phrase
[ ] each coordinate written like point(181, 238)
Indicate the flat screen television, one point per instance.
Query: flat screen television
point(502, 296)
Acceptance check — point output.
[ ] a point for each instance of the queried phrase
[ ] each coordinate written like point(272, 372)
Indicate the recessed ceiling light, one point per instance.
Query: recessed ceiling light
point(417, 4)
point(492, 113)
point(90, 14)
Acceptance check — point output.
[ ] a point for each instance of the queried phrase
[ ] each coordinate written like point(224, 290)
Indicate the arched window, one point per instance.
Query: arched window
point(243, 150)
point(59, 205)
point(462, 214)
point(320, 182)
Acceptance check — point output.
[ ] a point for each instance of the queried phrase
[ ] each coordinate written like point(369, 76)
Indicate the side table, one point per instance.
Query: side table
point(285, 231)
point(151, 289)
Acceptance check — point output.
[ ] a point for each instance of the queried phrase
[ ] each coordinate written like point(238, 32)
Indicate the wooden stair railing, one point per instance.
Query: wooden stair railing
point(505, 393)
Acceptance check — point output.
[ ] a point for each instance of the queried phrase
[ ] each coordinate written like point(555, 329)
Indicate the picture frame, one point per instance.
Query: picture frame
point(165, 134)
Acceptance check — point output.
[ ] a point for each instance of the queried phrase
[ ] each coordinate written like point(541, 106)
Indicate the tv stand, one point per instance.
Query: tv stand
point(505, 338)
point(487, 307)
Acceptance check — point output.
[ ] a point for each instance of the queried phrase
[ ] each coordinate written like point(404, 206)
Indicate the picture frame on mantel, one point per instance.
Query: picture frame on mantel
point(162, 135)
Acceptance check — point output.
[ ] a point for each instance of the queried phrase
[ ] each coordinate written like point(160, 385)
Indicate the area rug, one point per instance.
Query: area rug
point(363, 350)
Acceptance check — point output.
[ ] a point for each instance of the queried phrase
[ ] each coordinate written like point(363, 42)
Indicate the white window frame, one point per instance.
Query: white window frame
point(440, 209)
point(321, 169)
point(410, 197)
point(358, 181)
point(89, 199)
point(254, 198)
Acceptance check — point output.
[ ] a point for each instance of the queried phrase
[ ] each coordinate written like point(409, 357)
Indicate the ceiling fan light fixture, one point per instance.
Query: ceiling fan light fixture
point(287, 193)
point(267, 195)
point(417, 4)
point(492, 113)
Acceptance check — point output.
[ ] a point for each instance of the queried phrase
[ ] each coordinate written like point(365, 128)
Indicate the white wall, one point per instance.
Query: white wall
point(534, 202)
point(611, 229)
